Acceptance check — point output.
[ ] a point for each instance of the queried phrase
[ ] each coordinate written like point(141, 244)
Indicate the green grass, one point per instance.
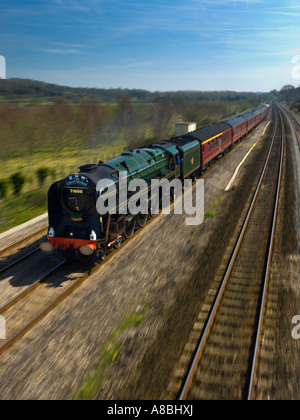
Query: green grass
point(91, 387)
point(62, 136)
point(218, 202)
point(62, 161)
point(214, 206)
point(17, 210)
point(209, 214)
point(32, 201)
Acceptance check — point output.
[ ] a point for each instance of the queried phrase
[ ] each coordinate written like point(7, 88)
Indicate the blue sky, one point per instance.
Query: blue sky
point(160, 45)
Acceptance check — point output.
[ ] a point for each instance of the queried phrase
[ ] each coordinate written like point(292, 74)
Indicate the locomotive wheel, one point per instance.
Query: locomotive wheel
point(141, 219)
point(130, 228)
point(118, 243)
point(101, 253)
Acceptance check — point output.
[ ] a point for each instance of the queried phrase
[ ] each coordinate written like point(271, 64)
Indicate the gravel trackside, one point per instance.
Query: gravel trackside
point(160, 279)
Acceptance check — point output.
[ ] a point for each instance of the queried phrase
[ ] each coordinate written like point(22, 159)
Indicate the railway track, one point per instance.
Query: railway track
point(224, 358)
point(18, 260)
point(22, 250)
point(31, 305)
point(20, 244)
point(295, 120)
point(28, 307)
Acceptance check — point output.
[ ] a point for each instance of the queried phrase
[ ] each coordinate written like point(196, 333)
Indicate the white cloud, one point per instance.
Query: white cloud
point(57, 51)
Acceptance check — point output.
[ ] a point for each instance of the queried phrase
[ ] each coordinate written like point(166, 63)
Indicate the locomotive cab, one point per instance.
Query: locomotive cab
point(75, 227)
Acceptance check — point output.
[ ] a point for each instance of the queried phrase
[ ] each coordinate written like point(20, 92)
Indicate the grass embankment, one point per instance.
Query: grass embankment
point(32, 201)
point(59, 137)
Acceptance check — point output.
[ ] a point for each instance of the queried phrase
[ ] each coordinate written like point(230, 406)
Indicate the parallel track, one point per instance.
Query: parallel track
point(19, 260)
point(23, 311)
point(296, 120)
point(31, 305)
point(20, 243)
point(225, 359)
point(19, 246)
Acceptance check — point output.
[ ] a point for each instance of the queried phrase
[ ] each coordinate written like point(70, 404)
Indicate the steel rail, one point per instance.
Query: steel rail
point(21, 296)
point(19, 334)
point(291, 114)
point(29, 289)
point(21, 259)
point(200, 348)
point(19, 243)
point(267, 275)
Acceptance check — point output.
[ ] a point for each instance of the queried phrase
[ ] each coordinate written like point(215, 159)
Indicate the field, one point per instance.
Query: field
point(44, 140)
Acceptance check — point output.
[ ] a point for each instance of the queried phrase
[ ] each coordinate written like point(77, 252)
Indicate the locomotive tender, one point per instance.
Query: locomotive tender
point(75, 226)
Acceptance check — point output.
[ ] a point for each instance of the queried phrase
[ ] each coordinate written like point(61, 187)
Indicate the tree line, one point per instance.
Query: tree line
point(22, 89)
point(17, 181)
point(291, 95)
point(30, 133)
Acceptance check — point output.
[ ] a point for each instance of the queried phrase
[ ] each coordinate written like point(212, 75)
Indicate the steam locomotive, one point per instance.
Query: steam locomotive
point(78, 229)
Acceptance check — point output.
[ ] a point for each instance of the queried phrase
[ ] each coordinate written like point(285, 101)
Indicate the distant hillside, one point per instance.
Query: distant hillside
point(292, 96)
point(23, 89)
point(31, 89)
